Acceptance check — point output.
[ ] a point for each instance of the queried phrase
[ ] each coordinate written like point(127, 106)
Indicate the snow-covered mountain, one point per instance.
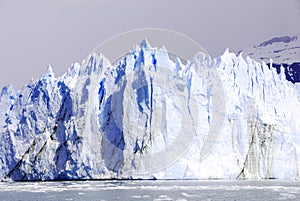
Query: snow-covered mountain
point(150, 117)
point(283, 51)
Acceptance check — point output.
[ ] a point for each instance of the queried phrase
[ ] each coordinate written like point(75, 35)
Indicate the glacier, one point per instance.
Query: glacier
point(147, 116)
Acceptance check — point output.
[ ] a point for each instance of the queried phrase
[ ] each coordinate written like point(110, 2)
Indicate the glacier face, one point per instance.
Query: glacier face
point(150, 117)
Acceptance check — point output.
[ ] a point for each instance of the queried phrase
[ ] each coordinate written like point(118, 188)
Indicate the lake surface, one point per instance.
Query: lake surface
point(151, 190)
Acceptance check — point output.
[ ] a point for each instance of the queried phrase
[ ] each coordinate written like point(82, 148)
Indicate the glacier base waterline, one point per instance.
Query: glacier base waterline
point(151, 190)
point(148, 117)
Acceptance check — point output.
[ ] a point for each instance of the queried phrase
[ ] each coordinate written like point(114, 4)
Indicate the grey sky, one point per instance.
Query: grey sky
point(35, 33)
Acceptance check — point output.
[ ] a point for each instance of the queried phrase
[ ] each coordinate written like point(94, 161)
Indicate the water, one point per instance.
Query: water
point(151, 190)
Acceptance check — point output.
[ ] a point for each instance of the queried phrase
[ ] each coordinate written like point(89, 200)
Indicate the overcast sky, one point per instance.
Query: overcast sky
point(35, 33)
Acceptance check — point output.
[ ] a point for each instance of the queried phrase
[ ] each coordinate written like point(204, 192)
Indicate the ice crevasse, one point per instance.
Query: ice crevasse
point(147, 116)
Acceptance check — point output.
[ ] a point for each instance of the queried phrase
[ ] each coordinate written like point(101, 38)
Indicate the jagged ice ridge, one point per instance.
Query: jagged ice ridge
point(150, 117)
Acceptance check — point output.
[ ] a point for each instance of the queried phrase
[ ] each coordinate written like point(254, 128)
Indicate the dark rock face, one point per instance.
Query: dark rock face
point(292, 71)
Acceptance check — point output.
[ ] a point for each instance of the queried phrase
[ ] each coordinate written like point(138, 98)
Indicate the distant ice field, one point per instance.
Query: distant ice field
point(151, 190)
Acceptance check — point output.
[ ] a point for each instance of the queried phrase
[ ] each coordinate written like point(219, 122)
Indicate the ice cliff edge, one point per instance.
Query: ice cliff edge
point(147, 116)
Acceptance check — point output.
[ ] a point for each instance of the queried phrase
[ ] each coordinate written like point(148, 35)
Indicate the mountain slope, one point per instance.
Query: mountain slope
point(150, 117)
point(283, 51)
